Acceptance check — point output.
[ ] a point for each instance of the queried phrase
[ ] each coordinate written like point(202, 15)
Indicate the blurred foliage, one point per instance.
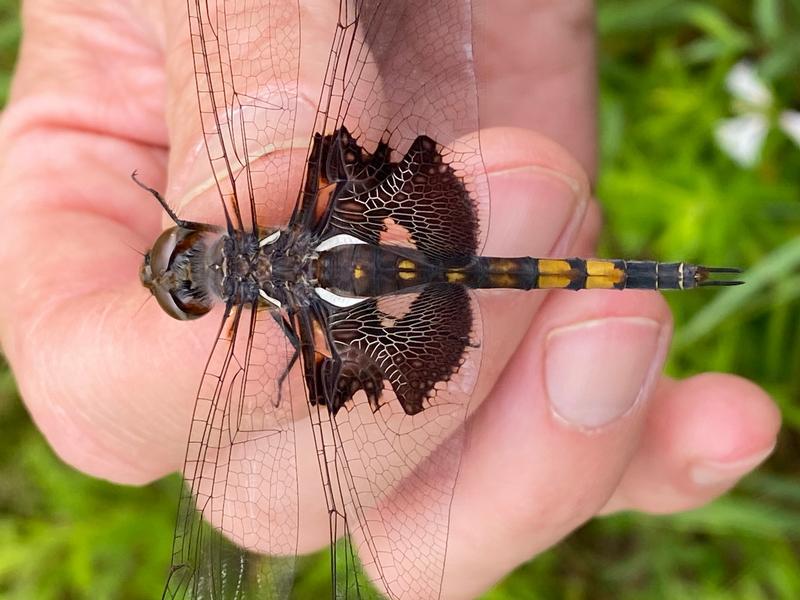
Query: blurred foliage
point(669, 193)
point(9, 40)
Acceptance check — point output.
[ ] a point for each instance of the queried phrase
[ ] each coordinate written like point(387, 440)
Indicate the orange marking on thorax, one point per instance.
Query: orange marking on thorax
point(320, 340)
point(324, 191)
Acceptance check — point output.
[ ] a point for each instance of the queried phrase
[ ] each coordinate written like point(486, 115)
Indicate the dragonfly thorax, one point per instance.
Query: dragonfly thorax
point(275, 268)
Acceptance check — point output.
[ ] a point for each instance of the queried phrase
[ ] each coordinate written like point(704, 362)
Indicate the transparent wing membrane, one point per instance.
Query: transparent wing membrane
point(240, 471)
point(246, 57)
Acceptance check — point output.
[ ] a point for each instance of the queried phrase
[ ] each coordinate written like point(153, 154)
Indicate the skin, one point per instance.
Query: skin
point(94, 366)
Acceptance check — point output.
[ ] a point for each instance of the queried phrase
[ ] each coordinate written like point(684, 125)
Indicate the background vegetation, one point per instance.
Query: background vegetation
point(669, 192)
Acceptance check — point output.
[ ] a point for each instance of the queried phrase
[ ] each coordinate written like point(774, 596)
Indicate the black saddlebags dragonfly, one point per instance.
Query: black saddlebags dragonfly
point(359, 318)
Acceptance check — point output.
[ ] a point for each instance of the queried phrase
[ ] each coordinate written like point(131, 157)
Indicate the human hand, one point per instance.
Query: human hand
point(547, 449)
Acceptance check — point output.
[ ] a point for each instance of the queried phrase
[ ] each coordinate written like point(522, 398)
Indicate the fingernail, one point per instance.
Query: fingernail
point(597, 371)
point(537, 205)
point(716, 473)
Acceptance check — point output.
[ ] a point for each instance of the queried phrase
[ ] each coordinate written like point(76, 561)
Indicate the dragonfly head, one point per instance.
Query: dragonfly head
point(177, 271)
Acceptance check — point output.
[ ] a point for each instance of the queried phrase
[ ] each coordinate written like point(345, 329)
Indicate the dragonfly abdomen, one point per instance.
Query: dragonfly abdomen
point(364, 270)
point(578, 273)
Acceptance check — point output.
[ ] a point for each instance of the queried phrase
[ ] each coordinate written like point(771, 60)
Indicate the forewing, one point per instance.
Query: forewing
point(240, 471)
point(246, 58)
point(392, 451)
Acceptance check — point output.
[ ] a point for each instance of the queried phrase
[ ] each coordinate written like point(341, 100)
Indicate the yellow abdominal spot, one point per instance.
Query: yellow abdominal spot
point(553, 281)
point(406, 275)
point(358, 272)
point(455, 276)
point(502, 280)
point(599, 283)
point(553, 267)
point(503, 265)
point(407, 265)
point(604, 268)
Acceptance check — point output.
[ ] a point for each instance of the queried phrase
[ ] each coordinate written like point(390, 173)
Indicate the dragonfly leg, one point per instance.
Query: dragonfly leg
point(193, 225)
point(283, 322)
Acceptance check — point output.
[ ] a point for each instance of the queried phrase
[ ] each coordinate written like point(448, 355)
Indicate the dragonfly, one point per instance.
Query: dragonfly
point(357, 324)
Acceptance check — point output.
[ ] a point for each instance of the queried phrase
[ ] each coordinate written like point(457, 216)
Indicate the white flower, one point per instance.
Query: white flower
point(742, 137)
point(789, 121)
point(743, 84)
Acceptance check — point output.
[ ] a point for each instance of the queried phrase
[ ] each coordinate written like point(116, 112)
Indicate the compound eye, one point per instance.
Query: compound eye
point(169, 305)
point(156, 277)
point(163, 249)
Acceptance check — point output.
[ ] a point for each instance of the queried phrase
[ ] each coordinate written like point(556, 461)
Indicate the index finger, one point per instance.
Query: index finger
point(536, 65)
point(85, 111)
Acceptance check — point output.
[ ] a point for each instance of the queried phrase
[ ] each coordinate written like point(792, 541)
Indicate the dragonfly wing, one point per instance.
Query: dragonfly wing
point(388, 408)
point(395, 160)
point(246, 58)
point(401, 74)
point(241, 479)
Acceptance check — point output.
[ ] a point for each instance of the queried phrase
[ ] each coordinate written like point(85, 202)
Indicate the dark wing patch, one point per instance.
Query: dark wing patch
point(351, 162)
point(414, 348)
point(421, 194)
point(335, 160)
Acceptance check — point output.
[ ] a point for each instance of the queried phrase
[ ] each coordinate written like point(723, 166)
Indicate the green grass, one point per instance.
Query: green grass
point(669, 193)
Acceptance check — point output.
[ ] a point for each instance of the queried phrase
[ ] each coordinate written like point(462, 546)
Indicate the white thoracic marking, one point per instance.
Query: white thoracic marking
point(336, 299)
point(270, 239)
point(269, 299)
point(657, 265)
point(342, 239)
point(680, 276)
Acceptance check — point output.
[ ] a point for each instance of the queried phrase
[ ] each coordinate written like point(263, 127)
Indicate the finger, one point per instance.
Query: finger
point(535, 63)
point(586, 241)
point(547, 449)
point(539, 194)
point(701, 436)
point(539, 199)
point(84, 113)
